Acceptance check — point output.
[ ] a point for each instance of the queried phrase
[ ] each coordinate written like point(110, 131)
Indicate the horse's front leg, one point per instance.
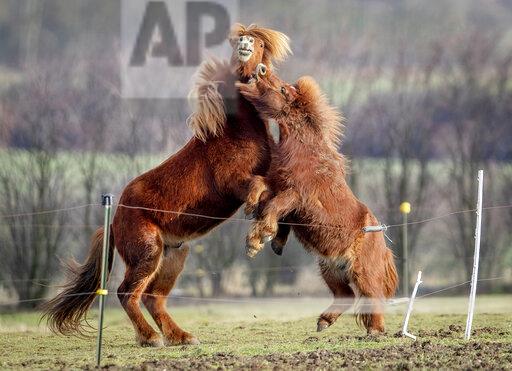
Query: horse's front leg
point(266, 228)
point(281, 237)
point(257, 187)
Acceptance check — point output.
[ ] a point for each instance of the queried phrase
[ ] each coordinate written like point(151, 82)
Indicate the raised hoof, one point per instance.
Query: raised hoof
point(277, 248)
point(266, 239)
point(251, 251)
point(322, 325)
point(154, 342)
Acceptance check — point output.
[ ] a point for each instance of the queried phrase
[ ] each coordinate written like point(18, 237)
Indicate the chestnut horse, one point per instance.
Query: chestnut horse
point(306, 183)
point(210, 175)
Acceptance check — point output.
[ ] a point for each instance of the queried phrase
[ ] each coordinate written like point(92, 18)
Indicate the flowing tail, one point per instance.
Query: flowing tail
point(66, 313)
point(391, 281)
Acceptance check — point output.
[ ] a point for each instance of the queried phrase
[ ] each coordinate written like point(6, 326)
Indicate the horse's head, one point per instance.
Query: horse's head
point(301, 107)
point(253, 45)
point(272, 97)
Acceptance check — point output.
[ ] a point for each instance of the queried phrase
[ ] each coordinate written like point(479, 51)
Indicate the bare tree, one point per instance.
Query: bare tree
point(31, 181)
point(398, 125)
point(479, 104)
point(215, 254)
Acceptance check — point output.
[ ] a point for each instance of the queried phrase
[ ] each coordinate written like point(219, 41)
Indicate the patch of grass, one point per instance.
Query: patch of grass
point(235, 334)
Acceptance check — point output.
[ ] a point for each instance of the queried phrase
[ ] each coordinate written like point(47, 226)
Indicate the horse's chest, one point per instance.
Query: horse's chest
point(252, 156)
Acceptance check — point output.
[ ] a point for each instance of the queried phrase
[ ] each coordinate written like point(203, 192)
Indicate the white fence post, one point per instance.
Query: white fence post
point(474, 276)
point(409, 308)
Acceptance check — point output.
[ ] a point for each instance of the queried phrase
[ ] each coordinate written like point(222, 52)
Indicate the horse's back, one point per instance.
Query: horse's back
point(199, 187)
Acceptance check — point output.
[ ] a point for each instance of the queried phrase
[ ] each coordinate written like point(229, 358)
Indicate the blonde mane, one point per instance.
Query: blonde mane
point(315, 105)
point(209, 115)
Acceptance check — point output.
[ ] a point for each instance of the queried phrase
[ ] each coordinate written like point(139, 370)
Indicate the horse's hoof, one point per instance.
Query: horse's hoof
point(322, 325)
point(277, 248)
point(251, 252)
point(154, 342)
point(372, 332)
point(266, 239)
point(185, 339)
point(192, 341)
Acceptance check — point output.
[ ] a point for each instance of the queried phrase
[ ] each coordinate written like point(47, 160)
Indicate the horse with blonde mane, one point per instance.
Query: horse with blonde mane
point(210, 175)
point(306, 184)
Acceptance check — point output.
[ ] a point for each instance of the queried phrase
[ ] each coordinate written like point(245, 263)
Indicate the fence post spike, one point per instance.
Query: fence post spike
point(409, 308)
point(476, 258)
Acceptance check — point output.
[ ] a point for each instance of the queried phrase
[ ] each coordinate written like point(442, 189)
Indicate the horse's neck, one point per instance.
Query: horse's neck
point(311, 161)
point(245, 120)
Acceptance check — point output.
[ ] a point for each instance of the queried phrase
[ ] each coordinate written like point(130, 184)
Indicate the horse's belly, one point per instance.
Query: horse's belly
point(324, 241)
point(198, 221)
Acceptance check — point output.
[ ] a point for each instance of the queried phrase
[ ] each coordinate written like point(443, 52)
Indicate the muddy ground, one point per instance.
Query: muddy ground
point(265, 335)
point(418, 354)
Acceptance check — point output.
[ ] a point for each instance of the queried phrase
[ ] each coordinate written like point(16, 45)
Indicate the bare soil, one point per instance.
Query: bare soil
point(420, 354)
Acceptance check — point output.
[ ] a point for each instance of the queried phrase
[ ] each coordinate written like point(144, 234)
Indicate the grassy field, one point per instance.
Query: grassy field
point(276, 333)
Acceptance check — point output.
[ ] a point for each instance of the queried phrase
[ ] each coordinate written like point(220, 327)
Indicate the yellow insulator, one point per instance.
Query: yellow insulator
point(405, 207)
point(200, 273)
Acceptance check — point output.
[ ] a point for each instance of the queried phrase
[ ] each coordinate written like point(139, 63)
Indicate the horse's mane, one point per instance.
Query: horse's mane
point(277, 44)
point(209, 115)
point(316, 107)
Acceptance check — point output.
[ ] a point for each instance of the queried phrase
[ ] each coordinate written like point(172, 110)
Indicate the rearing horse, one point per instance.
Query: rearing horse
point(210, 175)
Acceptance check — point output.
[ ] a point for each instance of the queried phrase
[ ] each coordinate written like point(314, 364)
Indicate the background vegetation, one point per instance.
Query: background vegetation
point(426, 88)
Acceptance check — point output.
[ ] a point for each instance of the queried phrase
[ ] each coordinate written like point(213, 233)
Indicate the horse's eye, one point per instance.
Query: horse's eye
point(283, 90)
point(240, 38)
point(251, 40)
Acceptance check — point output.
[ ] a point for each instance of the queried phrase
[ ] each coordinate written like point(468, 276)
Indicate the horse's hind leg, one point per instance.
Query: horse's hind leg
point(155, 296)
point(335, 278)
point(374, 276)
point(142, 259)
point(371, 311)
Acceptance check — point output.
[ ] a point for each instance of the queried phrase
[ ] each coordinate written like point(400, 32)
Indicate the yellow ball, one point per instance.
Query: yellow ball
point(200, 273)
point(405, 207)
point(198, 249)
